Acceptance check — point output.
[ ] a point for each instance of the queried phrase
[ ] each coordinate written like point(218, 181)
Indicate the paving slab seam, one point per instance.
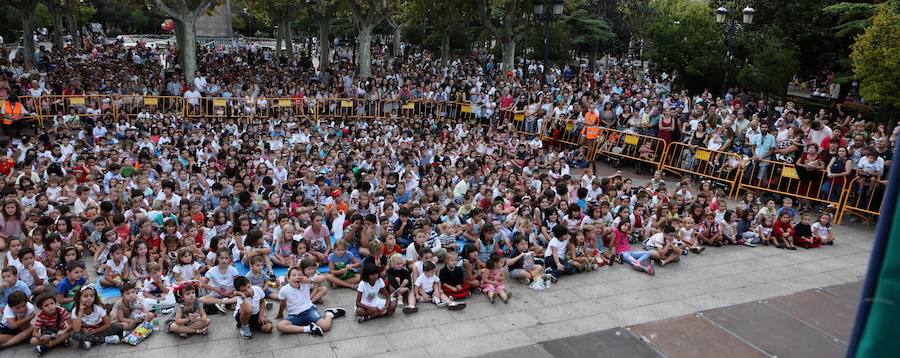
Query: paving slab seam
point(735, 335)
point(801, 320)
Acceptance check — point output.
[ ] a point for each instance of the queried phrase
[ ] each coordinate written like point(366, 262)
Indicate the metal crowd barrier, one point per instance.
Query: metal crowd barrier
point(722, 167)
point(860, 201)
point(638, 148)
point(787, 179)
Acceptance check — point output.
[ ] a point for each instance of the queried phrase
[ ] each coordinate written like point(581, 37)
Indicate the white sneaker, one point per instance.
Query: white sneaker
point(112, 339)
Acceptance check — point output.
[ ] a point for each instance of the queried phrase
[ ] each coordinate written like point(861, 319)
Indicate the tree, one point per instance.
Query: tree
point(185, 14)
point(442, 16)
point(367, 14)
point(55, 7)
point(27, 9)
point(278, 13)
point(587, 30)
point(684, 38)
point(323, 11)
point(876, 61)
point(772, 68)
point(507, 20)
point(853, 18)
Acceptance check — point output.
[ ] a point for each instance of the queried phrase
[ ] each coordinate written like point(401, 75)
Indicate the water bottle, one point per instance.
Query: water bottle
point(156, 312)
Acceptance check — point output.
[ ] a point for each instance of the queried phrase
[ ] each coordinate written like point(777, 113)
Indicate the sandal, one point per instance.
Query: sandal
point(362, 319)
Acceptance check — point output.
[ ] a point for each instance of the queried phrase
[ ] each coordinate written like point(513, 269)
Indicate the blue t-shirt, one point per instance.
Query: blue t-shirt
point(764, 144)
point(340, 261)
point(19, 286)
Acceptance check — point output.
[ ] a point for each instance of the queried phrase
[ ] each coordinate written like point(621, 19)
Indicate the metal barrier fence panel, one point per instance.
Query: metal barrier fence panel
point(554, 130)
point(723, 167)
point(861, 200)
point(133, 105)
point(789, 180)
point(636, 147)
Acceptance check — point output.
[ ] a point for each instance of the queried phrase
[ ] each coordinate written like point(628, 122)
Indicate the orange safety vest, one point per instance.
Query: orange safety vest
point(11, 114)
point(591, 130)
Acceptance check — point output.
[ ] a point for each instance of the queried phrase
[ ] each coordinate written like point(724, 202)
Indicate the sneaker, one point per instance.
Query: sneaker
point(112, 339)
point(649, 269)
point(221, 307)
point(245, 332)
point(315, 330)
point(336, 311)
point(456, 306)
point(86, 345)
point(41, 349)
point(410, 309)
point(68, 343)
point(749, 244)
point(443, 304)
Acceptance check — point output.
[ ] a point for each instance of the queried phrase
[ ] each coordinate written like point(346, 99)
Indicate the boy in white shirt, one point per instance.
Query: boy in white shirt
point(302, 315)
point(249, 315)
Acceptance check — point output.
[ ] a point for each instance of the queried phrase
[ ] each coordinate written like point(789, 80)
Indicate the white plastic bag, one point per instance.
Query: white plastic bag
point(337, 226)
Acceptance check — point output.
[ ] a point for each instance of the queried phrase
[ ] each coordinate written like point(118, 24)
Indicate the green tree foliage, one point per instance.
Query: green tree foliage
point(684, 38)
point(876, 59)
point(507, 21)
point(771, 68)
point(585, 29)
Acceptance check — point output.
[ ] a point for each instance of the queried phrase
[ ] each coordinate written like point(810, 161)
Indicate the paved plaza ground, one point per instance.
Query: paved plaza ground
point(590, 307)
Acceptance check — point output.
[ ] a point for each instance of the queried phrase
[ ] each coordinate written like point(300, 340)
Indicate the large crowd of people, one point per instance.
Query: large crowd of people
point(189, 216)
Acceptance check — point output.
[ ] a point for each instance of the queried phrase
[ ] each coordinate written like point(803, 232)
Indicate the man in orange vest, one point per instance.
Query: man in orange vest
point(11, 112)
point(591, 129)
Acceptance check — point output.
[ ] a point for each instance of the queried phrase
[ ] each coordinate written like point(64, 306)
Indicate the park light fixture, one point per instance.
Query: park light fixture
point(558, 7)
point(748, 15)
point(721, 14)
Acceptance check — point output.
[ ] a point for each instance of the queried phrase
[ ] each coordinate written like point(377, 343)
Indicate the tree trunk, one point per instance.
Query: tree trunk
point(57, 30)
point(364, 50)
point(72, 26)
point(509, 54)
point(179, 41)
point(28, 34)
point(445, 48)
point(278, 41)
point(189, 48)
point(288, 40)
point(324, 42)
point(396, 51)
point(595, 49)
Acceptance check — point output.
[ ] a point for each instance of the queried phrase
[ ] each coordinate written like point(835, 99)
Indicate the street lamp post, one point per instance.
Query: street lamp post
point(547, 11)
point(729, 15)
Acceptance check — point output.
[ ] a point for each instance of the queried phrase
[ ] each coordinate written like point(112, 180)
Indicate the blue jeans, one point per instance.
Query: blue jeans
point(635, 257)
point(567, 268)
point(311, 315)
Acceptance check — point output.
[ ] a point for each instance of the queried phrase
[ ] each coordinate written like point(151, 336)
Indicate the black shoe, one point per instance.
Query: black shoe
point(315, 330)
point(41, 349)
point(336, 311)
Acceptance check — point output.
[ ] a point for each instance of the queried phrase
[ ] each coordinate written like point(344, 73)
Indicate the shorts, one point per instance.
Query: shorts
point(254, 321)
point(9, 331)
point(304, 318)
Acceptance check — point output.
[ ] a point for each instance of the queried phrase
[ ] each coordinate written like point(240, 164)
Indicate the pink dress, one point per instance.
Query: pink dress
point(493, 275)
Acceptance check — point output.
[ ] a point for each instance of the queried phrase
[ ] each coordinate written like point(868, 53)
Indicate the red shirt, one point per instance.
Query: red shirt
point(81, 174)
point(7, 166)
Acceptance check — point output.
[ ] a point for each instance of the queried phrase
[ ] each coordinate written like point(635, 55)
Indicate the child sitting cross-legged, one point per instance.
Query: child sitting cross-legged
point(219, 282)
point(453, 278)
point(342, 267)
point(368, 304)
point(428, 288)
point(51, 325)
point(302, 314)
point(90, 323)
point(250, 313)
point(155, 291)
point(130, 311)
point(493, 278)
point(400, 283)
point(189, 316)
point(15, 327)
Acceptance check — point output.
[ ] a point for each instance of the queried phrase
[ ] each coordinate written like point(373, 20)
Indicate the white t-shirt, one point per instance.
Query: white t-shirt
point(820, 230)
point(9, 314)
point(94, 318)
point(559, 245)
point(117, 269)
point(370, 293)
point(219, 279)
point(296, 299)
point(26, 277)
point(258, 294)
point(187, 272)
point(427, 283)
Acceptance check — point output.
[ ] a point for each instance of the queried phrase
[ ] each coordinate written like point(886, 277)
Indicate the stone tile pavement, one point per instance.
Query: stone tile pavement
point(577, 305)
